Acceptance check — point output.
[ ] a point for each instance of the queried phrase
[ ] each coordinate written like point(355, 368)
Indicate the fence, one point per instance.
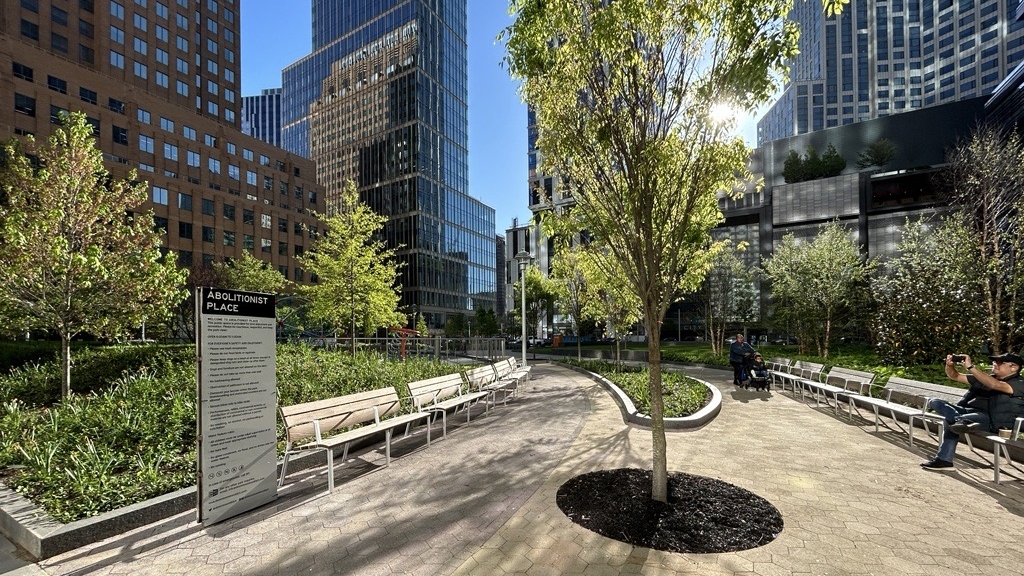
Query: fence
point(438, 347)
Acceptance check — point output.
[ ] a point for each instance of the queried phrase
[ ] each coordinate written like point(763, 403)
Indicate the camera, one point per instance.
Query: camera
point(957, 358)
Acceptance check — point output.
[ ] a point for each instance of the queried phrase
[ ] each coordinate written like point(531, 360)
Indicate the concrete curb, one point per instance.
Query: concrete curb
point(634, 418)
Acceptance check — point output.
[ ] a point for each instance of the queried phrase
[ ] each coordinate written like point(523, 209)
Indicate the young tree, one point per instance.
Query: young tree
point(832, 164)
point(929, 295)
point(357, 274)
point(729, 295)
point(984, 179)
point(72, 262)
point(614, 301)
point(250, 274)
point(571, 287)
point(815, 284)
point(880, 153)
point(540, 298)
point(623, 93)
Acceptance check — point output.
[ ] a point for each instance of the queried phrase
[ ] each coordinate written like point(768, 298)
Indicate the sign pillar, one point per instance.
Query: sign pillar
point(236, 364)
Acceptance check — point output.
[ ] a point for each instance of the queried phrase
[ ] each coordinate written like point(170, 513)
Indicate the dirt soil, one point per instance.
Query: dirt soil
point(703, 515)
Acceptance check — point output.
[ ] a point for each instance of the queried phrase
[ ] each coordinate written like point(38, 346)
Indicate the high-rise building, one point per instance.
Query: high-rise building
point(158, 79)
point(882, 57)
point(382, 101)
point(261, 116)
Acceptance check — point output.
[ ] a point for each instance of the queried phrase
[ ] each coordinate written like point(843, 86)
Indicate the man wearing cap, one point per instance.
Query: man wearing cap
point(992, 402)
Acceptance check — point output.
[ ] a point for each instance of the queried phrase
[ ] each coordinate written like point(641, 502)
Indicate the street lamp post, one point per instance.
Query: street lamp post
point(524, 258)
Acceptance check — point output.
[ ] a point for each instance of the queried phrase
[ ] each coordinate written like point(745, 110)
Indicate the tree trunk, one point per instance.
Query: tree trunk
point(659, 485)
point(65, 366)
point(579, 346)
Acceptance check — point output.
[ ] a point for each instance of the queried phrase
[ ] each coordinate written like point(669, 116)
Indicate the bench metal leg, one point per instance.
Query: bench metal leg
point(284, 465)
point(999, 448)
point(330, 469)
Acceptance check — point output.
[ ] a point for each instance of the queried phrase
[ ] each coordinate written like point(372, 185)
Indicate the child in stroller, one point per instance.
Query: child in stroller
point(759, 377)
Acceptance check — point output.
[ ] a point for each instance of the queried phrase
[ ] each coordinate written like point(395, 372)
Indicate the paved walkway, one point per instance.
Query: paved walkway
point(482, 502)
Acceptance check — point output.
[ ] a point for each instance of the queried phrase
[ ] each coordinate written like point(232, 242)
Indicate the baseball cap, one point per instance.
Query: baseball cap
point(1008, 357)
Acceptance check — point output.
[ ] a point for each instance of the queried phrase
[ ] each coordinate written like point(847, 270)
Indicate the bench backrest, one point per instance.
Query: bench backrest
point(808, 370)
point(850, 379)
point(479, 377)
point(779, 364)
point(334, 414)
point(503, 368)
point(915, 392)
point(426, 392)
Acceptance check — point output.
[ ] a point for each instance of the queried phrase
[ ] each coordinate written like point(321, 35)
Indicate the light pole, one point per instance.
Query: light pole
point(524, 258)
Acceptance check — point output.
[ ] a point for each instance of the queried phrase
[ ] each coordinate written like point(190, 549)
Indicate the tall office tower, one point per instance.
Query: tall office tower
point(882, 57)
point(261, 116)
point(158, 80)
point(382, 102)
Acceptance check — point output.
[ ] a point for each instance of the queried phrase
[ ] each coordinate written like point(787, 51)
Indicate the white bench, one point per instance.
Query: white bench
point(909, 398)
point(840, 382)
point(339, 421)
point(443, 393)
point(778, 366)
point(1002, 445)
point(800, 373)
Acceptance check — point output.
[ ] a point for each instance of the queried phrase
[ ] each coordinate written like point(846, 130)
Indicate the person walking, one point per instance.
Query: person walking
point(739, 353)
point(993, 401)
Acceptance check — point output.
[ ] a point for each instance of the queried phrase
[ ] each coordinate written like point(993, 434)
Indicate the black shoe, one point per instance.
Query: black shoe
point(937, 464)
point(963, 426)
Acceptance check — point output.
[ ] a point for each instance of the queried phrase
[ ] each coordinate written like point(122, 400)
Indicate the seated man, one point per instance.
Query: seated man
point(993, 402)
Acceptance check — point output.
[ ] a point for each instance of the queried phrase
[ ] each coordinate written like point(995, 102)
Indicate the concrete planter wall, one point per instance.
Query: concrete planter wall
point(631, 416)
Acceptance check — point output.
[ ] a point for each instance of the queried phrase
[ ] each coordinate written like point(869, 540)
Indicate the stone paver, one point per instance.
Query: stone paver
point(483, 501)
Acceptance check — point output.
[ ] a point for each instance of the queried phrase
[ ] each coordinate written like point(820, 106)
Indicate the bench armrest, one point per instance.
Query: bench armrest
point(1016, 426)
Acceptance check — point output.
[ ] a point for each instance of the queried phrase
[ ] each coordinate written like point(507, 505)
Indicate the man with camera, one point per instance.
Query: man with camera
point(992, 402)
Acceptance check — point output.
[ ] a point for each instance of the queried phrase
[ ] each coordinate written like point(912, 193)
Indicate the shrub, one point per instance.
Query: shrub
point(682, 395)
point(132, 437)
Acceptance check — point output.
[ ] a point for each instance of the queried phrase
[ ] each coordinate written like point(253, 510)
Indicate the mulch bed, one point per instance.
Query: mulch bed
point(703, 515)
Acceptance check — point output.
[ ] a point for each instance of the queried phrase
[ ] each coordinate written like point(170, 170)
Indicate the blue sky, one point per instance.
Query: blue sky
point(273, 38)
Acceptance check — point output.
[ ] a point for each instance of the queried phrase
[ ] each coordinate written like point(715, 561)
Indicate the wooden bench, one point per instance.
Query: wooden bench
point(909, 398)
point(339, 421)
point(443, 393)
point(840, 382)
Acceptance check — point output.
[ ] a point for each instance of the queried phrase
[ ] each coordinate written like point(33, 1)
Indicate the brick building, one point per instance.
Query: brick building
point(159, 80)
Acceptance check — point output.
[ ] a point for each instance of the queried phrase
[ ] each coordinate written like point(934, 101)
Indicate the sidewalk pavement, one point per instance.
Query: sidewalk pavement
point(482, 502)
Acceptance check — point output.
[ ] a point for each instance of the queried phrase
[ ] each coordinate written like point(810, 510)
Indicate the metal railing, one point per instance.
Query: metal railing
point(437, 347)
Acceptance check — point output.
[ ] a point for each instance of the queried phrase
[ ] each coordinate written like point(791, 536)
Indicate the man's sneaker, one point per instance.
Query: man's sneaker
point(963, 426)
point(937, 464)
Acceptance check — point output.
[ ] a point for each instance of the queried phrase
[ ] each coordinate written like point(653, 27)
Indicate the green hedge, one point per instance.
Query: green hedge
point(132, 435)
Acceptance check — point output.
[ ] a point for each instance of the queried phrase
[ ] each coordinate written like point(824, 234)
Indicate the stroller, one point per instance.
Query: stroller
point(758, 372)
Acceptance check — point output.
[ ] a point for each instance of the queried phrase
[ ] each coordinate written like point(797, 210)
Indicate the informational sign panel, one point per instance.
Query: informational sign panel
point(236, 373)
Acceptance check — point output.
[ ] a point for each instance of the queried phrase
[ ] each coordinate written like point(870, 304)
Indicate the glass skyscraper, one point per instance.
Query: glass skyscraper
point(261, 116)
point(882, 57)
point(382, 101)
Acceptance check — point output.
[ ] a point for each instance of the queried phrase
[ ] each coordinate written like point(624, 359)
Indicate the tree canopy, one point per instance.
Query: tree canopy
point(76, 259)
point(983, 179)
point(624, 94)
point(818, 284)
point(250, 274)
point(879, 153)
point(356, 274)
point(929, 295)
